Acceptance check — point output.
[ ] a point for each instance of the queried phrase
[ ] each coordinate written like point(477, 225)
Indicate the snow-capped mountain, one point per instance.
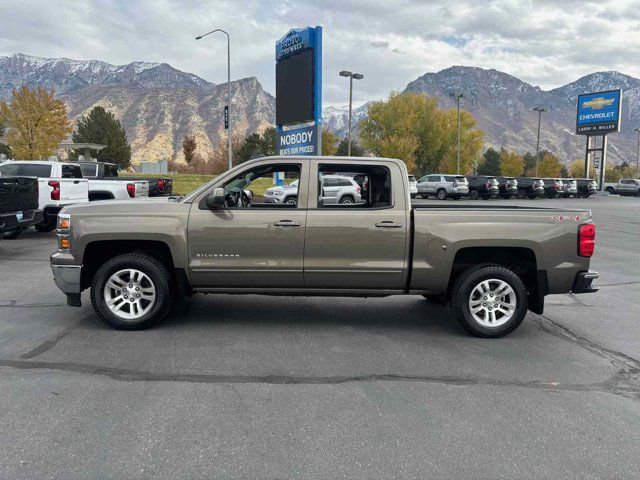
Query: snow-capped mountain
point(336, 119)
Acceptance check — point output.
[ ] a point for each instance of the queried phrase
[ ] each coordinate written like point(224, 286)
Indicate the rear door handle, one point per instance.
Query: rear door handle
point(388, 224)
point(287, 223)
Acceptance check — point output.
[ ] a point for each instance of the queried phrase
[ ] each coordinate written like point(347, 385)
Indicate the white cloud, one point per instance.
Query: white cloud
point(391, 42)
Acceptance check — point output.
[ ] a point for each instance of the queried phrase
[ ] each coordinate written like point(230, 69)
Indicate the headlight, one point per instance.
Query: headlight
point(64, 222)
point(279, 192)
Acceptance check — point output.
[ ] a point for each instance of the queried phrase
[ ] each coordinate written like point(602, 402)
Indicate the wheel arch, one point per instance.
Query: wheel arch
point(521, 260)
point(96, 253)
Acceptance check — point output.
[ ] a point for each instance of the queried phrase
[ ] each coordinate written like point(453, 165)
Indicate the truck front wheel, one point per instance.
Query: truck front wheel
point(489, 301)
point(132, 291)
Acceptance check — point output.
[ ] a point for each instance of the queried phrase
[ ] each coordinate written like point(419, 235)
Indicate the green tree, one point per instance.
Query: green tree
point(511, 164)
point(491, 164)
point(564, 171)
point(251, 147)
point(356, 149)
point(4, 148)
point(268, 141)
point(101, 126)
point(189, 146)
point(529, 163)
point(329, 142)
point(37, 122)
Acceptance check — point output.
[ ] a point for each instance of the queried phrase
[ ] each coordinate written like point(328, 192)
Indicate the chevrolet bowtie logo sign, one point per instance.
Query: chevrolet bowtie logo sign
point(598, 103)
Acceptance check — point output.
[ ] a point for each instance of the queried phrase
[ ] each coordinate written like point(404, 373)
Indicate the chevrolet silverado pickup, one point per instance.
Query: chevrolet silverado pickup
point(104, 183)
point(18, 205)
point(491, 264)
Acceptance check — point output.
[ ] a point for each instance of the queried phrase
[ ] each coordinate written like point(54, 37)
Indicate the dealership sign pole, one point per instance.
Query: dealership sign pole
point(299, 92)
point(598, 114)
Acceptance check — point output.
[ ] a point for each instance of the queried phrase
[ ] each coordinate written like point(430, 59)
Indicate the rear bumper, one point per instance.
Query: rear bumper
point(9, 221)
point(584, 282)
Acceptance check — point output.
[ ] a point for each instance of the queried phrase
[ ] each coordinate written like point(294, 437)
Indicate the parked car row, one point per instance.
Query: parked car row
point(443, 186)
point(58, 184)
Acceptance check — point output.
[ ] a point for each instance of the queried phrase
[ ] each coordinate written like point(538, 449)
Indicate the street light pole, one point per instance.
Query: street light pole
point(228, 89)
point(638, 154)
point(357, 76)
point(538, 109)
point(458, 96)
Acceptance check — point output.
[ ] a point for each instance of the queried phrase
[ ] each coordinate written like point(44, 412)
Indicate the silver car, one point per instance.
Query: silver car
point(570, 187)
point(338, 189)
point(286, 194)
point(443, 186)
point(413, 186)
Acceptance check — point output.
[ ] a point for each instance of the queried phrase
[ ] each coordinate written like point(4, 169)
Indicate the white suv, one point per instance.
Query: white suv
point(443, 186)
point(337, 189)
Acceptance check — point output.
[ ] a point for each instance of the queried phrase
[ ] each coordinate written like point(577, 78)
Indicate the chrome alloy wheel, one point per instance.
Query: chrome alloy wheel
point(129, 294)
point(492, 303)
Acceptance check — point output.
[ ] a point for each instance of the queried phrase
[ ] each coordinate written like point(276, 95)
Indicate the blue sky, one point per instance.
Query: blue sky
point(546, 43)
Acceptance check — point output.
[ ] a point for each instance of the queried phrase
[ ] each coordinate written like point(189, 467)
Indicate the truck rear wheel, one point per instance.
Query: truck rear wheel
point(489, 301)
point(132, 291)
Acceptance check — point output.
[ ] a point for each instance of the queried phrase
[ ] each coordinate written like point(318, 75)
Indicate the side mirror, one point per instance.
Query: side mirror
point(215, 199)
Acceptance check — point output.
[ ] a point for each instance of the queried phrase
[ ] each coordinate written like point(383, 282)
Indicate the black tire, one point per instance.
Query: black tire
point(474, 195)
point(154, 269)
point(463, 289)
point(11, 234)
point(532, 197)
point(441, 194)
point(292, 200)
point(45, 227)
point(610, 190)
point(347, 200)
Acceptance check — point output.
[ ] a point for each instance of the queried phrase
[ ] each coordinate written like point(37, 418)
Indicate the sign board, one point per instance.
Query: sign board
point(299, 92)
point(226, 117)
point(299, 141)
point(599, 113)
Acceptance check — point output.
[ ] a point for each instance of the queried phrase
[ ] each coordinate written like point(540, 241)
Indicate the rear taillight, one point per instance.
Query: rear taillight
point(161, 185)
point(488, 184)
point(358, 190)
point(131, 190)
point(55, 193)
point(586, 239)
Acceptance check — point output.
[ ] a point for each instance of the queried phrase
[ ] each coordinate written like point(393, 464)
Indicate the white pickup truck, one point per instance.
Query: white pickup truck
point(59, 184)
point(625, 186)
point(104, 183)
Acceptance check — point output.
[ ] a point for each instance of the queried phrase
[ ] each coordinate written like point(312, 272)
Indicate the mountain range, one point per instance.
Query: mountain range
point(158, 104)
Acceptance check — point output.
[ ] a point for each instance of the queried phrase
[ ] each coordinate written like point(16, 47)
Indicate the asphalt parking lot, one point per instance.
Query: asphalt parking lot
point(278, 387)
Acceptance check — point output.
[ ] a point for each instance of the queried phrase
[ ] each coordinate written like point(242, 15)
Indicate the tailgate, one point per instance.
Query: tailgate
point(18, 193)
point(142, 188)
point(74, 190)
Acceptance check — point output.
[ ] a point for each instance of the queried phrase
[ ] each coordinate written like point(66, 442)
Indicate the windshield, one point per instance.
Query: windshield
point(461, 179)
point(26, 170)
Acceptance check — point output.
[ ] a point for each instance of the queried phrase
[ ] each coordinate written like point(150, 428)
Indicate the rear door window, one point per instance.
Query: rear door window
point(71, 171)
point(35, 170)
point(89, 170)
point(353, 186)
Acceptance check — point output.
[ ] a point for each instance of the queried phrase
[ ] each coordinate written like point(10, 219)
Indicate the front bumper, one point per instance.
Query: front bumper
point(67, 278)
point(584, 282)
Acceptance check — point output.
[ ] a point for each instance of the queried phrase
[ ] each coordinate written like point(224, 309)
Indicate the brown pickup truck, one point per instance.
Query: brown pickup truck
point(351, 232)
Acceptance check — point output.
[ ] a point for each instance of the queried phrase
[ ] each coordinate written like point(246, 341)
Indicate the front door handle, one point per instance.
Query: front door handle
point(388, 224)
point(287, 223)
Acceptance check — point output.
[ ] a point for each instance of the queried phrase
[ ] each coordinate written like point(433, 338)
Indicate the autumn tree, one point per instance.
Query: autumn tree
point(409, 126)
point(189, 146)
point(101, 126)
point(329, 142)
point(548, 167)
point(37, 122)
point(576, 169)
point(511, 164)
